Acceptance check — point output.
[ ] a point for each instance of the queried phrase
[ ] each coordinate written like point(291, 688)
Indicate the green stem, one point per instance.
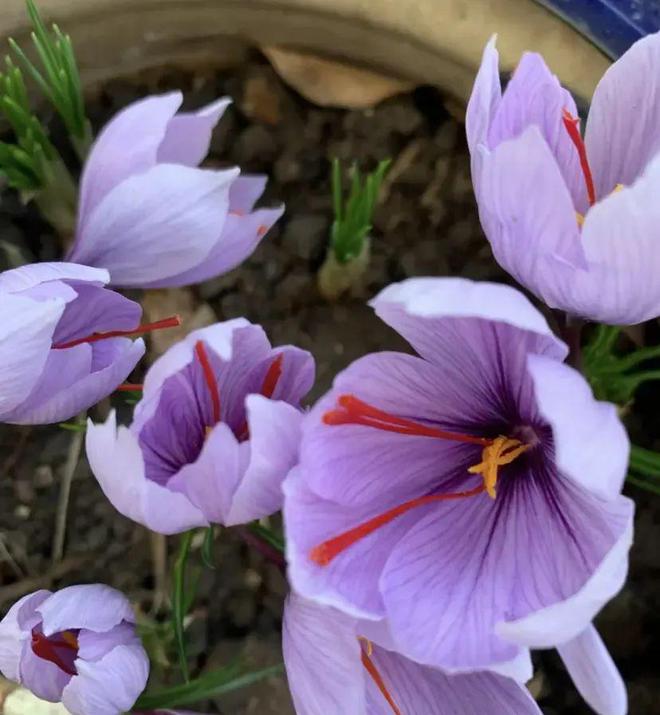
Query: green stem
point(179, 600)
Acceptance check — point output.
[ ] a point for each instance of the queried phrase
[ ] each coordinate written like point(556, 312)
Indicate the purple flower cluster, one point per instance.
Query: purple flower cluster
point(446, 511)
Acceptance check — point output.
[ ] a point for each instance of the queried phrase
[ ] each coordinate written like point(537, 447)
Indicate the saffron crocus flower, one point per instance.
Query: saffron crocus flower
point(212, 439)
point(469, 496)
point(63, 341)
point(573, 220)
point(77, 646)
point(333, 668)
point(149, 215)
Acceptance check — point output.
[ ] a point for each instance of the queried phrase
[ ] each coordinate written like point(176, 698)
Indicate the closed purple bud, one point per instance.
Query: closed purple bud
point(77, 646)
point(62, 344)
point(149, 215)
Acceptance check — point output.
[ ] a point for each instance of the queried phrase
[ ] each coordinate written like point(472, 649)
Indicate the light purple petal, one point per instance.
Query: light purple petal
point(87, 391)
point(157, 224)
point(26, 277)
point(594, 673)
point(117, 463)
point(322, 658)
point(485, 98)
point(274, 439)
point(188, 134)
point(566, 619)
point(94, 646)
point(128, 145)
point(418, 308)
point(210, 481)
point(110, 685)
point(417, 689)
point(15, 628)
point(25, 341)
point(240, 237)
point(527, 212)
point(623, 130)
point(45, 679)
point(591, 445)
point(94, 607)
point(245, 192)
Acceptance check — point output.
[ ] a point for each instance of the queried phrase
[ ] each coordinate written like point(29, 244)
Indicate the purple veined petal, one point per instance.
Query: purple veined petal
point(534, 97)
point(240, 237)
point(527, 212)
point(418, 689)
point(594, 673)
point(30, 276)
point(45, 679)
point(128, 145)
point(245, 192)
point(566, 619)
point(591, 443)
point(15, 628)
point(418, 309)
point(188, 134)
point(322, 659)
point(351, 581)
point(274, 439)
point(110, 685)
point(293, 380)
point(117, 463)
point(98, 310)
point(620, 242)
point(85, 392)
point(210, 481)
point(93, 646)
point(95, 607)
point(470, 565)
point(485, 98)
point(136, 230)
point(25, 341)
point(623, 129)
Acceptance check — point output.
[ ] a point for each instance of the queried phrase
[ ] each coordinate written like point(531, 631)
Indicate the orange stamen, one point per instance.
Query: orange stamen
point(356, 412)
point(324, 553)
point(46, 648)
point(209, 377)
point(572, 125)
point(378, 679)
point(172, 322)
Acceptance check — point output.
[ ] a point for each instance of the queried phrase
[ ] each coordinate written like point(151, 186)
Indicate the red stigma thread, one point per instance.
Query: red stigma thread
point(267, 389)
point(378, 680)
point(355, 412)
point(261, 231)
point(572, 125)
point(209, 377)
point(47, 649)
point(172, 322)
point(324, 553)
point(130, 387)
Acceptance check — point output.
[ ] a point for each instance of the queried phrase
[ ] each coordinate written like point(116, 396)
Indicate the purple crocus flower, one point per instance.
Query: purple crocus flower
point(469, 496)
point(212, 439)
point(574, 221)
point(62, 341)
point(77, 646)
point(149, 215)
point(332, 667)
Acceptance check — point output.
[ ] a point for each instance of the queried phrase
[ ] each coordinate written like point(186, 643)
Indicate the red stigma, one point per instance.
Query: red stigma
point(356, 412)
point(172, 322)
point(50, 649)
point(572, 125)
point(324, 553)
point(209, 378)
point(267, 389)
point(261, 231)
point(378, 680)
point(130, 387)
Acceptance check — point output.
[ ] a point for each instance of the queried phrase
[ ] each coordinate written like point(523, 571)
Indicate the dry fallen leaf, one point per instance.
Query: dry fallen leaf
point(260, 101)
point(329, 83)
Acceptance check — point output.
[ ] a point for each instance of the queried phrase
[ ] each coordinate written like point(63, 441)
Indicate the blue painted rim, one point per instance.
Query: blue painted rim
point(612, 25)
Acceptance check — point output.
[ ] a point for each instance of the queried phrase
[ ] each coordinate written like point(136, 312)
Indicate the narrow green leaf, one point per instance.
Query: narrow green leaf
point(270, 537)
point(179, 601)
point(73, 426)
point(207, 548)
point(643, 484)
point(645, 461)
point(206, 686)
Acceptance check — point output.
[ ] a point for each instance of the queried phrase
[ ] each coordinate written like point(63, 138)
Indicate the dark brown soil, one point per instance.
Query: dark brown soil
point(426, 225)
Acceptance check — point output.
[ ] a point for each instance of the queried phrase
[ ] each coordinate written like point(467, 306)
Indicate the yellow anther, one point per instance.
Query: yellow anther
point(618, 187)
point(579, 218)
point(503, 450)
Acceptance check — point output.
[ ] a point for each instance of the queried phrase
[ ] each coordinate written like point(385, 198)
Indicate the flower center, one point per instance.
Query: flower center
point(60, 649)
point(496, 453)
point(572, 126)
point(366, 650)
point(172, 322)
